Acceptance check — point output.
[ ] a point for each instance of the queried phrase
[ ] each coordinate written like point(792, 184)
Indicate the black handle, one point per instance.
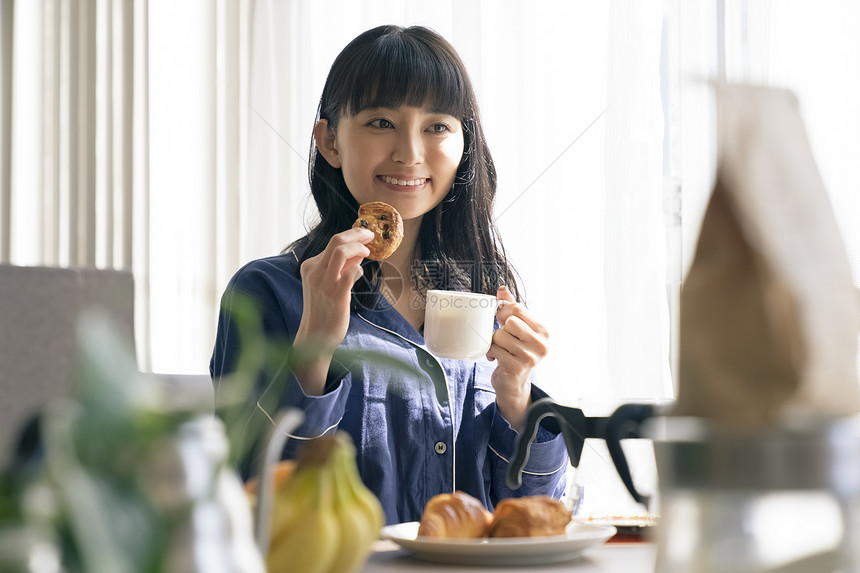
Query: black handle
point(625, 423)
point(572, 426)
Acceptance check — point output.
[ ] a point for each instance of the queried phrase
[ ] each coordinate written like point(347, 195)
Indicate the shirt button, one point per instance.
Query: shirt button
point(440, 447)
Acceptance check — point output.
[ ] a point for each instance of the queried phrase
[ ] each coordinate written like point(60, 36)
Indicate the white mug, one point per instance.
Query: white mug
point(459, 325)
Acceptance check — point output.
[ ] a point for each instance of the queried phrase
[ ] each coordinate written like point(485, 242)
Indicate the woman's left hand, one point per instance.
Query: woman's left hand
point(519, 344)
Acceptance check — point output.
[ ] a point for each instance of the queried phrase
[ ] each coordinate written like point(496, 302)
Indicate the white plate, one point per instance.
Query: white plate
point(501, 550)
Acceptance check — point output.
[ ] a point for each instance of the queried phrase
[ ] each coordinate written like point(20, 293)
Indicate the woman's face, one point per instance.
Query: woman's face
point(406, 156)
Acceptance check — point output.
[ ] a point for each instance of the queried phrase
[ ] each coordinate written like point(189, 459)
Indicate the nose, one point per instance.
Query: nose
point(409, 149)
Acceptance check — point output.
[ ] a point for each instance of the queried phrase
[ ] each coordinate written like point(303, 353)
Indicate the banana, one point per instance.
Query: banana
point(364, 497)
point(304, 535)
point(359, 512)
point(324, 519)
point(288, 508)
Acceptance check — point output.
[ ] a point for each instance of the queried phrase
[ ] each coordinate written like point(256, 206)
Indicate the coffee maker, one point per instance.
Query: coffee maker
point(572, 423)
point(781, 500)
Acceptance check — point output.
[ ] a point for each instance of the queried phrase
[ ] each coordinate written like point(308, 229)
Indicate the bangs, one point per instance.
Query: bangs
point(401, 70)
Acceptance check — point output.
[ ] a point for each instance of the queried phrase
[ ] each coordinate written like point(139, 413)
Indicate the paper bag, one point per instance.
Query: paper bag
point(769, 313)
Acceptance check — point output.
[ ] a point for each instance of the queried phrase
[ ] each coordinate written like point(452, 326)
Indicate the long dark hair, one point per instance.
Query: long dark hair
point(391, 66)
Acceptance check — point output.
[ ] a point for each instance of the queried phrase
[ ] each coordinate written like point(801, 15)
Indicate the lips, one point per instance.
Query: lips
point(412, 182)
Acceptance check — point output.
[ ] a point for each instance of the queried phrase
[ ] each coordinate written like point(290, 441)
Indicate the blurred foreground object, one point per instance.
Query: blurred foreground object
point(324, 519)
point(40, 307)
point(134, 476)
point(769, 312)
point(759, 463)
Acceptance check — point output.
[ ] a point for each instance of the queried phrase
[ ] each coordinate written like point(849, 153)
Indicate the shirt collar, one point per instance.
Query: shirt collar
point(385, 316)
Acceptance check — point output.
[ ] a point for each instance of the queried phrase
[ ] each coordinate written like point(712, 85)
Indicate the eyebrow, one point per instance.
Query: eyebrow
point(428, 111)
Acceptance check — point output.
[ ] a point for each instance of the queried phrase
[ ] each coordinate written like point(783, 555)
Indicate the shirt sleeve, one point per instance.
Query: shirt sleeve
point(263, 312)
point(322, 414)
point(545, 473)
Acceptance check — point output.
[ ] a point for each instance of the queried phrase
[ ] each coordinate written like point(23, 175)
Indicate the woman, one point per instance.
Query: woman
point(398, 122)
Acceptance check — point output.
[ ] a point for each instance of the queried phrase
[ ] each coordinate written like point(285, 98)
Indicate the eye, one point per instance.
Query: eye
point(381, 123)
point(440, 128)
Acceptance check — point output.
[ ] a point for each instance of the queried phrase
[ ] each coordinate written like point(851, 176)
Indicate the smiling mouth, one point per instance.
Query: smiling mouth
point(404, 182)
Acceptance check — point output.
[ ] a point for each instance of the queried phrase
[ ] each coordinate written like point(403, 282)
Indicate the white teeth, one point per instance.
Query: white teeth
point(411, 182)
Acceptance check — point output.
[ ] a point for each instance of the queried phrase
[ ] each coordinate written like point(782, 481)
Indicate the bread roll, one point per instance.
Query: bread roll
point(531, 516)
point(454, 515)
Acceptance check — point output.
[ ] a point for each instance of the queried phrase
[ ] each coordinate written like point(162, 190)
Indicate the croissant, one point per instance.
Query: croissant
point(530, 516)
point(454, 515)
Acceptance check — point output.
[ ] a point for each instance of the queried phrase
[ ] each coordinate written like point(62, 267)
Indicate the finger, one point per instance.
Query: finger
point(345, 252)
point(507, 342)
point(359, 272)
point(517, 339)
point(536, 342)
point(357, 234)
point(337, 242)
point(519, 310)
point(504, 297)
point(512, 357)
point(336, 274)
point(351, 272)
point(344, 259)
point(502, 293)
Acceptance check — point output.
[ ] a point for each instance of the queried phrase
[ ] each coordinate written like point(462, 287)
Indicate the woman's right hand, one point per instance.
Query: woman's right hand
point(327, 281)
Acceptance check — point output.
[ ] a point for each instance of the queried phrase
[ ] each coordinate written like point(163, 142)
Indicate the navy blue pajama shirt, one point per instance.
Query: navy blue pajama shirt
point(431, 428)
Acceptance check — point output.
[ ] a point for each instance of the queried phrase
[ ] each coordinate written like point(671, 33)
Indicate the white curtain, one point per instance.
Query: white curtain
point(828, 93)
point(73, 138)
point(570, 97)
point(172, 138)
point(200, 70)
point(204, 165)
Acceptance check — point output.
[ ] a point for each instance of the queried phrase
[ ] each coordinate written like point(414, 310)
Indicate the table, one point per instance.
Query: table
point(387, 557)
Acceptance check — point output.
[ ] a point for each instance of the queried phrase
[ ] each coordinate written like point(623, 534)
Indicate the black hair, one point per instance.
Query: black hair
point(392, 66)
